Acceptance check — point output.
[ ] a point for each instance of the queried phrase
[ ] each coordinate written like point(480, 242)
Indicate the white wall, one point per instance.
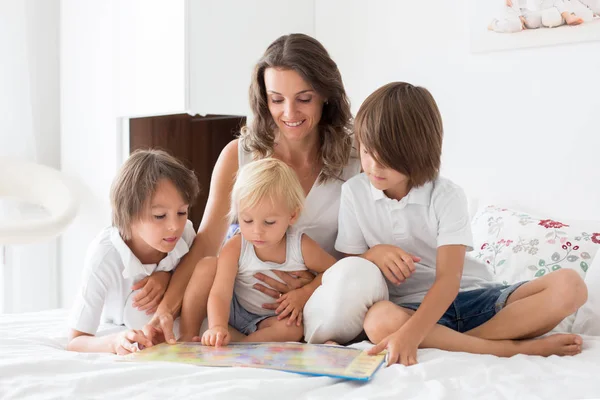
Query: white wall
point(16, 125)
point(117, 58)
point(88, 126)
point(130, 58)
point(43, 53)
point(227, 37)
point(29, 129)
point(520, 126)
point(149, 57)
point(512, 119)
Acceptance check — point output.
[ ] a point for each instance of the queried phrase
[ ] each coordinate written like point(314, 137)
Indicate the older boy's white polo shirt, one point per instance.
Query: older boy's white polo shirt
point(430, 216)
point(110, 269)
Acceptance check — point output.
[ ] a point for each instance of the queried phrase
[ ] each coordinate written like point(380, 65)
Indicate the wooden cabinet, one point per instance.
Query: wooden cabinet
point(195, 140)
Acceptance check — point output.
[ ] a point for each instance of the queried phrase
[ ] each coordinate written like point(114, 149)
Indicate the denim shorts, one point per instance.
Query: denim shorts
point(474, 307)
point(243, 320)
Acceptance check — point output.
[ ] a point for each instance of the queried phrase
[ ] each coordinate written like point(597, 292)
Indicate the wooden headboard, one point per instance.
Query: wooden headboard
point(195, 140)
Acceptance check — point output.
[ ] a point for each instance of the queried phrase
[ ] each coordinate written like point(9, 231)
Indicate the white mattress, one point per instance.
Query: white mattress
point(34, 364)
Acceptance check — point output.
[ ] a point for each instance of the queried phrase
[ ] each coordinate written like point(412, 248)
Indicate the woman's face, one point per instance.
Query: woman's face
point(295, 106)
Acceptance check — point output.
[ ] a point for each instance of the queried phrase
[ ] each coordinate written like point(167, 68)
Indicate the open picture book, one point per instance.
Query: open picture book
point(319, 360)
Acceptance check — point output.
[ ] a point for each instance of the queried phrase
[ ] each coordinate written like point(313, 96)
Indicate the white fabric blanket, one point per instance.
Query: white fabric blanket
point(34, 364)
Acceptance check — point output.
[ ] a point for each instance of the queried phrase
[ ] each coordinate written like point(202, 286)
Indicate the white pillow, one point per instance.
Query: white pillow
point(587, 319)
point(518, 246)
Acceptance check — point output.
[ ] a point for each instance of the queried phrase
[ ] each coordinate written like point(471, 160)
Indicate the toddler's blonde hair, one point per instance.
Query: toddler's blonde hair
point(267, 178)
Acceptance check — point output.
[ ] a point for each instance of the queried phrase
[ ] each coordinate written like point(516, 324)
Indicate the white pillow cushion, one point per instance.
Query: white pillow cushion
point(518, 246)
point(587, 319)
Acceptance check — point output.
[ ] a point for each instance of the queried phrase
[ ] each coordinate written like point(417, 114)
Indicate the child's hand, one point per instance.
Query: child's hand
point(216, 336)
point(509, 3)
point(124, 342)
point(395, 264)
point(402, 348)
point(292, 303)
point(154, 288)
point(160, 328)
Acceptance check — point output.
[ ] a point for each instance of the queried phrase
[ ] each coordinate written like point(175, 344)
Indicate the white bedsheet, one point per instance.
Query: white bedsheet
point(34, 364)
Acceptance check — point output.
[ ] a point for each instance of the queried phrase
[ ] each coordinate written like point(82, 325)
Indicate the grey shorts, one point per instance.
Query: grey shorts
point(242, 319)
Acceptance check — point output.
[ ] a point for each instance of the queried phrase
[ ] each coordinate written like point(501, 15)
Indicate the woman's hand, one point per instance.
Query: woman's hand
point(291, 304)
point(275, 289)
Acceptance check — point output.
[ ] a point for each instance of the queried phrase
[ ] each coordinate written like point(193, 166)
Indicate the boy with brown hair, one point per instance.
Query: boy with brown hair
point(403, 210)
point(129, 264)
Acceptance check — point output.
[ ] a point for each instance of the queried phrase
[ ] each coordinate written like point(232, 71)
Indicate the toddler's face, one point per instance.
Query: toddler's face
point(380, 176)
point(265, 224)
point(164, 220)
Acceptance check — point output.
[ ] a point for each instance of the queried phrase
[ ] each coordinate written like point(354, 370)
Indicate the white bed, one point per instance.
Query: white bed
point(34, 364)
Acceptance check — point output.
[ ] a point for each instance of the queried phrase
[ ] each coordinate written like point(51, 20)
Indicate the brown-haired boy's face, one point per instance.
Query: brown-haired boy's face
point(393, 183)
point(163, 220)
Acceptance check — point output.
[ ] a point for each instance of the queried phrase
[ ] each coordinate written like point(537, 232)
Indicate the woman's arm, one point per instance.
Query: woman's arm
point(207, 242)
point(215, 220)
point(316, 259)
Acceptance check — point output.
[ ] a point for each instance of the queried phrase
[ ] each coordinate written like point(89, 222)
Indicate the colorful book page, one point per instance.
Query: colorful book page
point(319, 360)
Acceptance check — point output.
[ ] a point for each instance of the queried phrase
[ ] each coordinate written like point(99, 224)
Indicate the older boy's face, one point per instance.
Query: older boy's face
point(393, 183)
point(164, 220)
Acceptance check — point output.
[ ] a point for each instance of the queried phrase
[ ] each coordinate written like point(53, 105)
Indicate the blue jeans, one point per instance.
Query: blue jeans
point(474, 307)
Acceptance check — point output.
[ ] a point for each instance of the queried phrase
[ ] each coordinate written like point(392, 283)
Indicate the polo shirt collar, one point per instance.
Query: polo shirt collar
point(418, 195)
point(133, 266)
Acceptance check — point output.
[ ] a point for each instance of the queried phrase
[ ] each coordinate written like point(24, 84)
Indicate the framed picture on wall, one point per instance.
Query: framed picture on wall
point(510, 24)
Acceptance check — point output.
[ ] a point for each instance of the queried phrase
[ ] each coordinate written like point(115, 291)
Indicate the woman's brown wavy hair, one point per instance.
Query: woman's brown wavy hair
point(308, 57)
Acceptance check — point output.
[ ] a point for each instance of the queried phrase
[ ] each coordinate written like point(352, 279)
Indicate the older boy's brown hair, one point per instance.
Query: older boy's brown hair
point(401, 126)
point(135, 184)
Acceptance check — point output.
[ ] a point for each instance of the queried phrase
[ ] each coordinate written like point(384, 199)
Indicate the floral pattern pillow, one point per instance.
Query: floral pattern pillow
point(518, 246)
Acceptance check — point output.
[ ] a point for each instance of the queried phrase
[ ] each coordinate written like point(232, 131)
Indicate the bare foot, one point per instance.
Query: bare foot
point(332, 343)
point(572, 19)
point(523, 23)
point(558, 344)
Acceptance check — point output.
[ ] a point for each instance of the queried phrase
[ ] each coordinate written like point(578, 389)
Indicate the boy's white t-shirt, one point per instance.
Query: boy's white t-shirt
point(430, 216)
point(110, 269)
